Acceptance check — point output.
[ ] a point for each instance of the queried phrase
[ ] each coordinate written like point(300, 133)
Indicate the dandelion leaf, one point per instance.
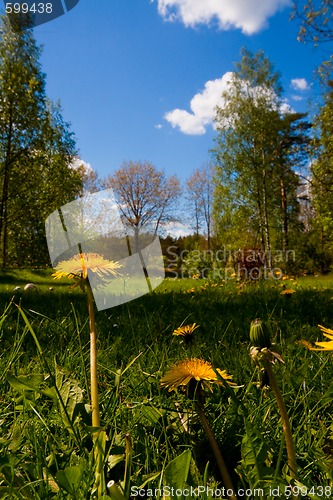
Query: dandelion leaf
point(25, 382)
point(151, 414)
point(70, 392)
point(70, 478)
point(176, 472)
point(255, 456)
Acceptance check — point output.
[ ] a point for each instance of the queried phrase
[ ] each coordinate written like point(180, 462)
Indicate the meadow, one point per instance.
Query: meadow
point(155, 439)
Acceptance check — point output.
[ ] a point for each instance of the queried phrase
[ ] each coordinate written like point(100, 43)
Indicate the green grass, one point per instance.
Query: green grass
point(136, 347)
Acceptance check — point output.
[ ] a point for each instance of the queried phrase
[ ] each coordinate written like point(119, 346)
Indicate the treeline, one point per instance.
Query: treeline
point(267, 184)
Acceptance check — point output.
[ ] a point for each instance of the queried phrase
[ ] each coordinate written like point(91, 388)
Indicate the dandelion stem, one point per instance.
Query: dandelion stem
point(93, 360)
point(285, 420)
point(99, 437)
point(217, 452)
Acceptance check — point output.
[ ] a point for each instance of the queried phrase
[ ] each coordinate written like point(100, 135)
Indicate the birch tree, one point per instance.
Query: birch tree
point(255, 155)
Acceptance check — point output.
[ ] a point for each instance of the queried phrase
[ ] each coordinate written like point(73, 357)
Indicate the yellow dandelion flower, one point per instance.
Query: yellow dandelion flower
point(288, 292)
point(185, 331)
point(322, 346)
point(327, 332)
point(79, 265)
point(187, 370)
point(306, 343)
point(325, 345)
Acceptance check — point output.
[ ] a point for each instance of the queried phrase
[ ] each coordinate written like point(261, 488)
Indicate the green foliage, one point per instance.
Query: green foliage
point(258, 148)
point(315, 26)
point(322, 173)
point(200, 263)
point(311, 254)
point(36, 149)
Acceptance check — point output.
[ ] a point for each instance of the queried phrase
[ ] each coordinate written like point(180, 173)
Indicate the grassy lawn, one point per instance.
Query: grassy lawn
point(42, 440)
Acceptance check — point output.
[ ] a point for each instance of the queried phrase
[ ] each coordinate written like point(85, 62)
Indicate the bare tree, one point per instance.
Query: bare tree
point(200, 189)
point(145, 195)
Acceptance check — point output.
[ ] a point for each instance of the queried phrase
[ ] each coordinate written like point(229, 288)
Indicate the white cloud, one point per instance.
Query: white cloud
point(285, 108)
point(203, 105)
point(297, 98)
point(248, 15)
point(77, 163)
point(158, 126)
point(177, 229)
point(188, 123)
point(299, 84)
point(203, 108)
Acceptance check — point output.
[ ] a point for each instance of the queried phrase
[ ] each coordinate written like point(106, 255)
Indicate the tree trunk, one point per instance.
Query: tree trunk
point(284, 217)
point(261, 232)
point(196, 208)
point(208, 214)
point(268, 252)
point(5, 192)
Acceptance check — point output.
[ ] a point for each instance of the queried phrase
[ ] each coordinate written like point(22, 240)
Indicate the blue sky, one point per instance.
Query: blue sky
point(121, 68)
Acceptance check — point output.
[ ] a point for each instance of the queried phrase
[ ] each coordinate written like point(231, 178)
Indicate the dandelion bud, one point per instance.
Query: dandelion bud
point(259, 334)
